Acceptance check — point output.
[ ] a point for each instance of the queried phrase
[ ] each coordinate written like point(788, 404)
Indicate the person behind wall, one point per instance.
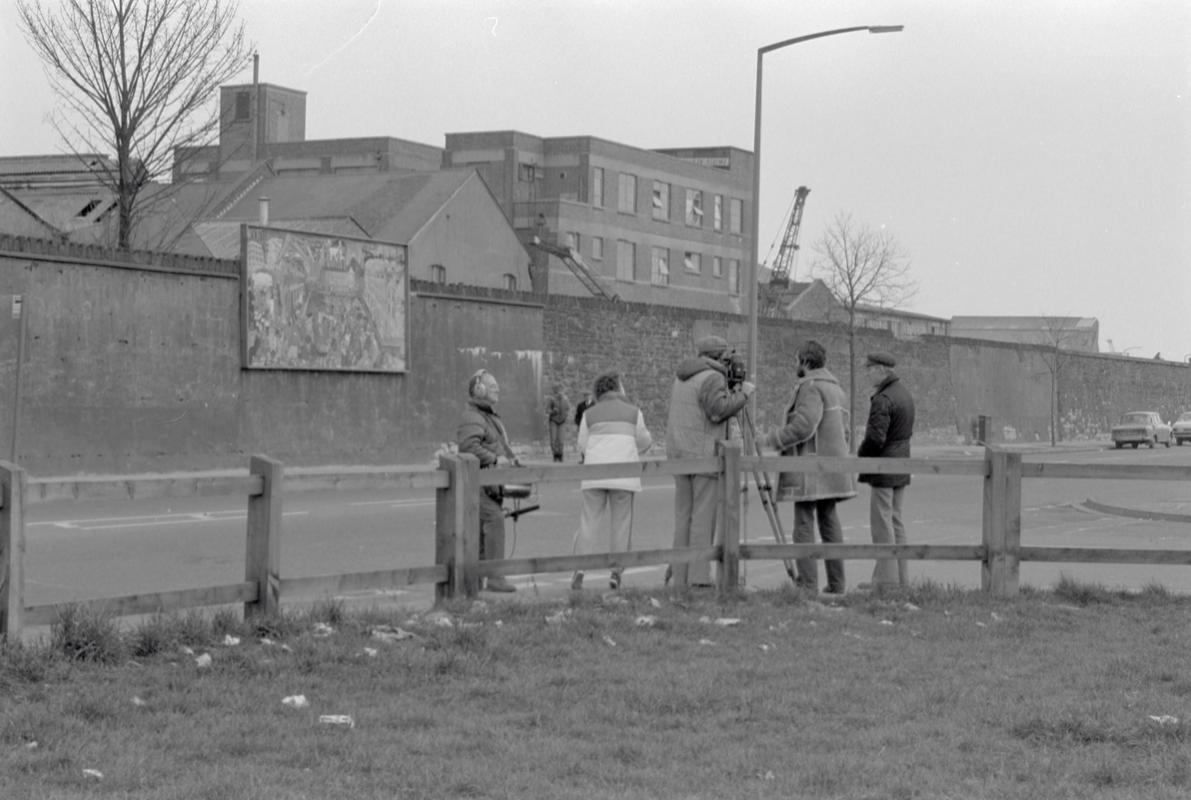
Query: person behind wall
point(612, 431)
point(558, 411)
point(887, 435)
point(482, 434)
point(816, 425)
point(580, 408)
point(701, 404)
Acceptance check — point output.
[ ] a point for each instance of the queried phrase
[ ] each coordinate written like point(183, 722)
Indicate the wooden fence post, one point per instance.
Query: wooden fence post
point(12, 548)
point(457, 527)
point(263, 560)
point(1001, 522)
point(730, 495)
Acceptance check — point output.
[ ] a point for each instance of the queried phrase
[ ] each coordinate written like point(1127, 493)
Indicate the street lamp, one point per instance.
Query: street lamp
point(754, 246)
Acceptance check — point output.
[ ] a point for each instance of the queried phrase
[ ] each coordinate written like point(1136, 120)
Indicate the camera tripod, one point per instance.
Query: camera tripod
point(748, 433)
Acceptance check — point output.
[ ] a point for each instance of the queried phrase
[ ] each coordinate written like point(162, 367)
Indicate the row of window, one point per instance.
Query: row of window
point(626, 261)
point(693, 216)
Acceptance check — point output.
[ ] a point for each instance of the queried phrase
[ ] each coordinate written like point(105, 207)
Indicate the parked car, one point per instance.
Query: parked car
point(1180, 429)
point(1141, 427)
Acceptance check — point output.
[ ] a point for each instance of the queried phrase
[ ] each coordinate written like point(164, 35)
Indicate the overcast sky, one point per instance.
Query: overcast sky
point(1032, 157)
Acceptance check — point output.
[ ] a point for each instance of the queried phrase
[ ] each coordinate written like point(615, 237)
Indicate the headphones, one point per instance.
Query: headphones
point(475, 385)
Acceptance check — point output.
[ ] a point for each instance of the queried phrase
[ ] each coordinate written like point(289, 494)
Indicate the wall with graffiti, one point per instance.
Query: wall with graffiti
point(318, 302)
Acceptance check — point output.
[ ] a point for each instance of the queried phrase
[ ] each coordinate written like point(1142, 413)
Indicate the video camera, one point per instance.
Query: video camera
point(735, 368)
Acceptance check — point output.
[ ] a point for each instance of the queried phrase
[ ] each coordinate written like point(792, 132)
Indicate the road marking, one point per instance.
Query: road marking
point(106, 523)
point(392, 503)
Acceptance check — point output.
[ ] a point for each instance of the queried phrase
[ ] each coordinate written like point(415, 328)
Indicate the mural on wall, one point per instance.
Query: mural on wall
point(317, 302)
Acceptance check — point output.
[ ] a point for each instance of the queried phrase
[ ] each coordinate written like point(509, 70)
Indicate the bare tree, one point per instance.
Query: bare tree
point(136, 77)
point(862, 266)
point(1061, 334)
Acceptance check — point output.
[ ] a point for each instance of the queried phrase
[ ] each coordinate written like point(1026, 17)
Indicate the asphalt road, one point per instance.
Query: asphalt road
point(85, 550)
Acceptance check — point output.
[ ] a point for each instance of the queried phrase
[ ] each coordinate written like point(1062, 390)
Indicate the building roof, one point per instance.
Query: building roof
point(221, 239)
point(386, 206)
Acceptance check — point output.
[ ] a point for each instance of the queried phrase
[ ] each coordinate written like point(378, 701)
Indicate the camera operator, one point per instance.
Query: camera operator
point(702, 401)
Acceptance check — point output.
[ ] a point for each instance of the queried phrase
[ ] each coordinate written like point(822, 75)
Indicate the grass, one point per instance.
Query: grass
point(936, 692)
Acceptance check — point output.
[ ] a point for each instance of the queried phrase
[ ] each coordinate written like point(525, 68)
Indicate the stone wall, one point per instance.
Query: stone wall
point(133, 364)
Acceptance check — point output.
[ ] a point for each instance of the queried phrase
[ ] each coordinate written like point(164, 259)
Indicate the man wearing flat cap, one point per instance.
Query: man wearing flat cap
point(887, 435)
point(701, 404)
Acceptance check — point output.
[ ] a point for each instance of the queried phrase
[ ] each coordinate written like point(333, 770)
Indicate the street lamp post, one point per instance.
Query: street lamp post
point(754, 245)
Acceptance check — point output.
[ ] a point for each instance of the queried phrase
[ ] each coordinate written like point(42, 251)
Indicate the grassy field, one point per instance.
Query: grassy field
point(936, 692)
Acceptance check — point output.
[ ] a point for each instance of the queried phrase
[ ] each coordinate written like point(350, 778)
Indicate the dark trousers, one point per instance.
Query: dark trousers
point(830, 531)
point(492, 529)
point(556, 445)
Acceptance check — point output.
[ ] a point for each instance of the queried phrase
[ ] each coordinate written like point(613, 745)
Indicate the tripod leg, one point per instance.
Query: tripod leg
point(764, 487)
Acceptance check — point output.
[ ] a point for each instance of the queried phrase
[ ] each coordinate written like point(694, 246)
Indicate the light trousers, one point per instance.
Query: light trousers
point(605, 509)
point(885, 522)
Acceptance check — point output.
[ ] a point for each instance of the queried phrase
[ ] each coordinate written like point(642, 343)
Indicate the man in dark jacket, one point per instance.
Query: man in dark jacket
point(887, 435)
point(700, 406)
point(482, 434)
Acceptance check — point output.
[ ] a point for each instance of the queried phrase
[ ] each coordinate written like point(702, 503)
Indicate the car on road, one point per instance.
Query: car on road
point(1180, 429)
point(1141, 427)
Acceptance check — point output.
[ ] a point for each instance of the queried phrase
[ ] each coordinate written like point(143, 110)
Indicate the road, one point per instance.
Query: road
point(93, 549)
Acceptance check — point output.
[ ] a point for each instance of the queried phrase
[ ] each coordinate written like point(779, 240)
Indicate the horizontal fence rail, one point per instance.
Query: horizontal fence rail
point(457, 482)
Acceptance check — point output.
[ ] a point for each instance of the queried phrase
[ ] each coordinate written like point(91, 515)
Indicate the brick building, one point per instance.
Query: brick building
point(667, 227)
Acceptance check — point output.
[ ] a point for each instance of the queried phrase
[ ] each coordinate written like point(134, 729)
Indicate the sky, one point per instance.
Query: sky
point(1031, 157)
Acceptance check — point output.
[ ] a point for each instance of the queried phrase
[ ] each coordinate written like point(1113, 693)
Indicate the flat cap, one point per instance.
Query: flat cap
point(711, 345)
point(881, 360)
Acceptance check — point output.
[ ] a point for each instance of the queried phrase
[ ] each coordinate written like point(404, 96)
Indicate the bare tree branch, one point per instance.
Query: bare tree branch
point(136, 78)
point(861, 266)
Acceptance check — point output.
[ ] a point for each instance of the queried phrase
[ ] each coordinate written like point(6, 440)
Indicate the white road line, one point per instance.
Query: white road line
point(106, 523)
point(392, 503)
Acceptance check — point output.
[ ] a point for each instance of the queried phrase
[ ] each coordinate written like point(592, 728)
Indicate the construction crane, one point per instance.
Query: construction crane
point(784, 263)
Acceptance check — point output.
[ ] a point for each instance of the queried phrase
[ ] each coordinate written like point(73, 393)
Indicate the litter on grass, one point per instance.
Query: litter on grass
point(389, 633)
point(322, 629)
point(646, 621)
point(608, 640)
point(1165, 719)
point(230, 641)
point(296, 701)
point(337, 719)
point(93, 773)
point(203, 661)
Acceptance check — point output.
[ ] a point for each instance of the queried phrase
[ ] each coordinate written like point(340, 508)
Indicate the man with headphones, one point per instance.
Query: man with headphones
point(482, 434)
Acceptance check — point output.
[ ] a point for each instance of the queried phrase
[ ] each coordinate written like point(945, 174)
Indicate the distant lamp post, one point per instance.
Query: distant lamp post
point(754, 246)
point(1125, 352)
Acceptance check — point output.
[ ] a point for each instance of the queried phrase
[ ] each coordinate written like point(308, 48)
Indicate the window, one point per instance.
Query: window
point(734, 275)
point(694, 208)
point(626, 258)
point(692, 262)
point(627, 202)
point(243, 106)
point(661, 200)
point(717, 213)
point(735, 214)
point(510, 281)
point(526, 173)
point(573, 240)
point(597, 248)
point(717, 267)
point(660, 272)
point(438, 273)
point(597, 187)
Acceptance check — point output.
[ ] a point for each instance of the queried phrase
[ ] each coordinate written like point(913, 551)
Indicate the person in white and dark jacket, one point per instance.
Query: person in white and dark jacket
point(611, 431)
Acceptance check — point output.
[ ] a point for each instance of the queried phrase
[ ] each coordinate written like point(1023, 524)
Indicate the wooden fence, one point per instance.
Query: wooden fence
point(457, 481)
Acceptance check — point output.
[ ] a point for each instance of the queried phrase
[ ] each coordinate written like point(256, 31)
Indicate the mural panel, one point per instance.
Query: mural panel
point(317, 302)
